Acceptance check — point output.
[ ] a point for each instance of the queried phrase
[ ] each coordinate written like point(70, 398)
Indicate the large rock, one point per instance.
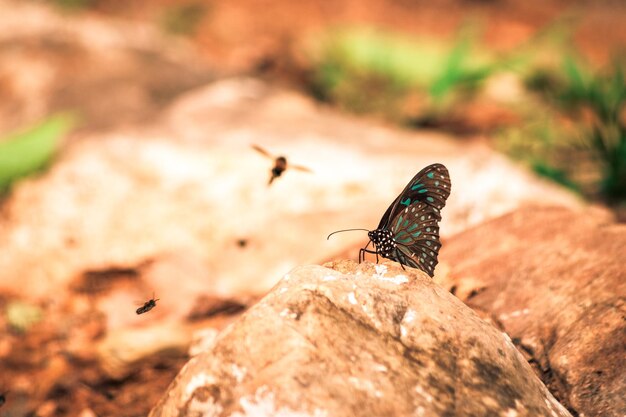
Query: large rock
point(359, 340)
point(556, 281)
point(180, 195)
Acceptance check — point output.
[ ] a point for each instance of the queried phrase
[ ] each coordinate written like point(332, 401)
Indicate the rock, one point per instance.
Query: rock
point(556, 282)
point(66, 61)
point(194, 188)
point(358, 340)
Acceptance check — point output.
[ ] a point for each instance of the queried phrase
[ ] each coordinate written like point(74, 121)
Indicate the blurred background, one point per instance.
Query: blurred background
point(127, 173)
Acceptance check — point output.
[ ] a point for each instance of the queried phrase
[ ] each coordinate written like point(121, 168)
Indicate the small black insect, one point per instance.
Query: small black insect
point(242, 243)
point(148, 305)
point(280, 164)
point(408, 232)
point(3, 398)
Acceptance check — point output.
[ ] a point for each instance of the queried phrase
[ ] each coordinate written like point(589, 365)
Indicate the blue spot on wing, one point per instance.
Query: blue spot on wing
point(398, 223)
point(430, 199)
point(430, 174)
point(416, 186)
point(406, 202)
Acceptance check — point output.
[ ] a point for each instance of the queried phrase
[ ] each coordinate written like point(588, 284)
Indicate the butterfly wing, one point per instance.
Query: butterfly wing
point(430, 186)
point(415, 231)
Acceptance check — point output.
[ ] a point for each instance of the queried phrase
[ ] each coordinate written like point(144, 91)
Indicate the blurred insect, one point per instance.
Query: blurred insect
point(408, 232)
point(148, 305)
point(242, 243)
point(280, 164)
point(3, 398)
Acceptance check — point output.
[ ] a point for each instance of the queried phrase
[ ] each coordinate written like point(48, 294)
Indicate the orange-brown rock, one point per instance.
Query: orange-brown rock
point(113, 72)
point(358, 340)
point(556, 281)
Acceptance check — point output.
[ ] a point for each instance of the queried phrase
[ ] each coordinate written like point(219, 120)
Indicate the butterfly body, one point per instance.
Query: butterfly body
point(408, 232)
point(383, 242)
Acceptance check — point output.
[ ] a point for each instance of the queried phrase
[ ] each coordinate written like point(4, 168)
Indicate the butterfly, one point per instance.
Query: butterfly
point(280, 164)
point(408, 232)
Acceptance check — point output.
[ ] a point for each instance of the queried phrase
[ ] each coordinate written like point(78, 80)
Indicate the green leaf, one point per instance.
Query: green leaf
point(27, 152)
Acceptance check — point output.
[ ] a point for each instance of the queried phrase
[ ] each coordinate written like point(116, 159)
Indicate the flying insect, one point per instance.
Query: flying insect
point(280, 164)
point(148, 305)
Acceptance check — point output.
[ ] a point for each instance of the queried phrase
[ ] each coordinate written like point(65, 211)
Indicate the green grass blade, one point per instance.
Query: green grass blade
point(452, 70)
point(27, 152)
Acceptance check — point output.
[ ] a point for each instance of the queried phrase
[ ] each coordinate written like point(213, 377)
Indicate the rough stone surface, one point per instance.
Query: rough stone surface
point(358, 340)
point(555, 280)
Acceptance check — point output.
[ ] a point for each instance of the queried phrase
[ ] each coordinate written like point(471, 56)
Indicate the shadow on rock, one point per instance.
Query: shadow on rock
point(554, 280)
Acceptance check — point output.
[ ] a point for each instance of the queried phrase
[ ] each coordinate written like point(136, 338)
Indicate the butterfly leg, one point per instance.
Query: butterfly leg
point(362, 254)
point(364, 251)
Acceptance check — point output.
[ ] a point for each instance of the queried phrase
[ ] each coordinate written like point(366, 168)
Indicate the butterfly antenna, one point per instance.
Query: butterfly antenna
point(345, 230)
